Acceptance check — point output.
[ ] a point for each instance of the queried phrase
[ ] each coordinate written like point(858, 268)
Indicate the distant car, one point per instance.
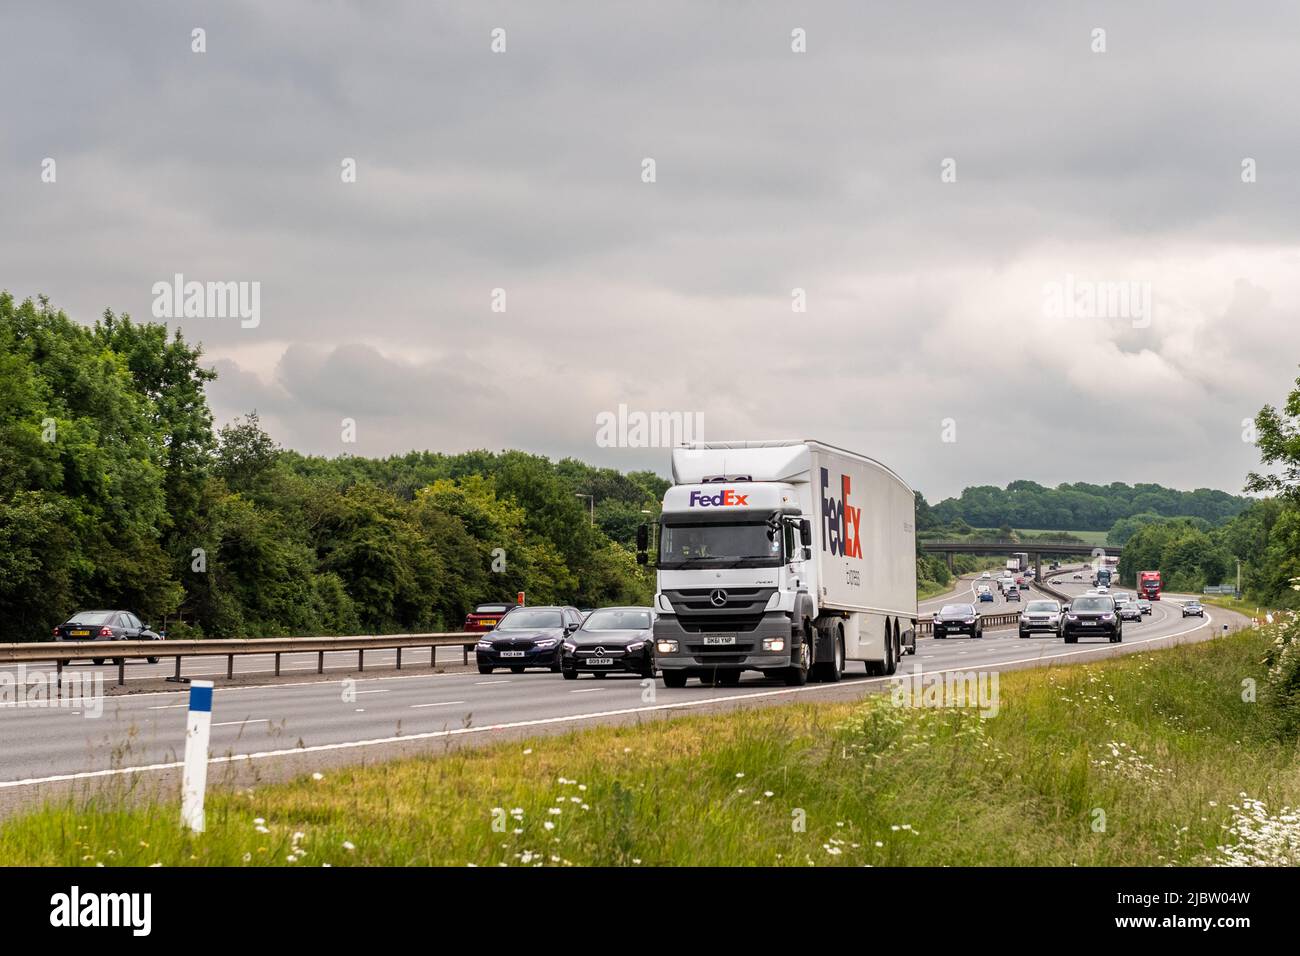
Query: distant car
point(1102, 589)
point(986, 596)
point(1041, 616)
point(1020, 581)
point(1193, 609)
point(986, 576)
point(958, 619)
point(611, 639)
point(484, 617)
point(1013, 593)
point(1054, 566)
point(1121, 596)
point(1128, 611)
point(1144, 605)
point(106, 626)
point(1078, 575)
point(1092, 614)
point(527, 637)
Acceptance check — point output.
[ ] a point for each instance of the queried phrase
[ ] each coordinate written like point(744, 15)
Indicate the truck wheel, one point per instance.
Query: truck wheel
point(728, 678)
point(98, 660)
point(832, 670)
point(674, 678)
point(797, 674)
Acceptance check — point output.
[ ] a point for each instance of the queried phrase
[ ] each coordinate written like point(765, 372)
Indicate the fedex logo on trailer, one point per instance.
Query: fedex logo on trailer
point(840, 520)
point(727, 498)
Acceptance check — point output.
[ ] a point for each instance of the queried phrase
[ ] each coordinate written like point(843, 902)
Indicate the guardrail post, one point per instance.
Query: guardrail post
point(58, 670)
point(178, 667)
point(433, 656)
point(361, 660)
point(230, 667)
point(399, 658)
point(320, 662)
point(277, 664)
point(464, 653)
point(121, 672)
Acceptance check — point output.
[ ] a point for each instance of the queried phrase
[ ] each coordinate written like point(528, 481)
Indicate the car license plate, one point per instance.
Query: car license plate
point(718, 640)
point(606, 661)
point(81, 634)
point(512, 653)
point(491, 623)
point(1089, 623)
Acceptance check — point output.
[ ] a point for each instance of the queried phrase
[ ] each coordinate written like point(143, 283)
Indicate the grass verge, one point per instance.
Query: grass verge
point(1150, 759)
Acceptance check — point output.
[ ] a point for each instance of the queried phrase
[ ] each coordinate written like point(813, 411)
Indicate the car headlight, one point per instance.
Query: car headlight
point(570, 646)
point(666, 647)
point(774, 643)
point(1107, 617)
point(549, 642)
point(970, 620)
point(634, 646)
point(1071, 617)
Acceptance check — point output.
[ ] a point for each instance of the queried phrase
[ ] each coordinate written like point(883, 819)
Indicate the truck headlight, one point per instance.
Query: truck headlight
point(666, 647)
point(774, 643)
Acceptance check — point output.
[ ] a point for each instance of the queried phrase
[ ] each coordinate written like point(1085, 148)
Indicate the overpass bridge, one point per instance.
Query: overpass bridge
point(1035, 549)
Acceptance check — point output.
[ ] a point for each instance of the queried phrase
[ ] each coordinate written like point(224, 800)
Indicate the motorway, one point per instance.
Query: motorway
point(267, 728)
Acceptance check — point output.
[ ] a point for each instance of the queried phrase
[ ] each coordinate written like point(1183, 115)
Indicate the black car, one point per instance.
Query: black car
point(958, 619)
point(106, 626)
point(1092, 614)
point(612, 639)
point(527, 637)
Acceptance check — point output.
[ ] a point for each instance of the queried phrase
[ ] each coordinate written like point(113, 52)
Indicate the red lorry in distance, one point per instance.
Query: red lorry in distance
point(1149, 585)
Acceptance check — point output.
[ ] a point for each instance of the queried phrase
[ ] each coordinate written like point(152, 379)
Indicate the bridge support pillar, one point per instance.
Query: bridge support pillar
point(1038, 566)
point(950, 566)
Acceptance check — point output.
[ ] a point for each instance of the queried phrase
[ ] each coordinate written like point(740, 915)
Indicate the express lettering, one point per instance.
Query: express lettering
point(841, 522)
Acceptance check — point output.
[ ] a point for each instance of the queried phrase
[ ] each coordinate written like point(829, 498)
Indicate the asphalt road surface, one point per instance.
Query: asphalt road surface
point(310, 721)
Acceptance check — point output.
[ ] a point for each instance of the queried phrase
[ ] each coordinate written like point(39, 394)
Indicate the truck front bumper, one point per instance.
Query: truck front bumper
point(677, 648)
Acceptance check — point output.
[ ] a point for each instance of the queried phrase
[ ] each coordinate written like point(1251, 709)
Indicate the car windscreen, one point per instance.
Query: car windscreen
point(521, 619)
point(91, 617)
point(614, 619)
point(1045, 607)
point(722, 542)
point(1091, 604)
point(492, 608)
point(956, 610)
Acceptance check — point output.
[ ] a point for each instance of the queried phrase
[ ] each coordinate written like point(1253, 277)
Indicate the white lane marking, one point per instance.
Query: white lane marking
point(587, 690)
point(360, 692)
point(246, 720)
point(488, 683)
point(441, 703)
point(168, 706)
point(537, 722)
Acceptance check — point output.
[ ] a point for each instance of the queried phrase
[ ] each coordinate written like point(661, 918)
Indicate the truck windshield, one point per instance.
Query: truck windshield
point(722, 544)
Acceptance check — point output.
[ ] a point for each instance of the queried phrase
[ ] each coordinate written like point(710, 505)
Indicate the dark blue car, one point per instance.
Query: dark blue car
point(527, 637)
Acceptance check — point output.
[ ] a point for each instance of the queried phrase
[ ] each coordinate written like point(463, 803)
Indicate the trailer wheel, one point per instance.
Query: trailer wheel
point(890, 663)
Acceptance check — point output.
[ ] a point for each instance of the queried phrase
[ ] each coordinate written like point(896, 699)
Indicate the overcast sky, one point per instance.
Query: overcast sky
point(927, 310)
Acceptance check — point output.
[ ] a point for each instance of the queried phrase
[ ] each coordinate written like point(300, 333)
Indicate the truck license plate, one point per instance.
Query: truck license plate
point(719, 640)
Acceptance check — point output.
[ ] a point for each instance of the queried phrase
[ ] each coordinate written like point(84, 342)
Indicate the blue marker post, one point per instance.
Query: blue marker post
point(194, 782)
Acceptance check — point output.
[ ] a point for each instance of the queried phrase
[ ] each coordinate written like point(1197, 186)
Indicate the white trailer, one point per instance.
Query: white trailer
point(787, 557)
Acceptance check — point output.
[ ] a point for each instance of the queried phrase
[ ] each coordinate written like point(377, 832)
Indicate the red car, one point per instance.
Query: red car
point(484, 617)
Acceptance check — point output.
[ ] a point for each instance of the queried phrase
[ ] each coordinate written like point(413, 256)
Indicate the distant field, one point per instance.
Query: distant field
point(1097, 538)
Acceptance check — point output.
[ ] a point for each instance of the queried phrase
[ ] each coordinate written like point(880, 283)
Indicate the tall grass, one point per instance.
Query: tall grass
point(1144, 760)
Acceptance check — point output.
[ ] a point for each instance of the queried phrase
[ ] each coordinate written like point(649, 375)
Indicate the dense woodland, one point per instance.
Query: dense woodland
point(116, 489)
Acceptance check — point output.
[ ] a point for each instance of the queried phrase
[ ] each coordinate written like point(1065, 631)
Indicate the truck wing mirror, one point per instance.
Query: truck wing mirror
point(805, 533)
point(807, 552)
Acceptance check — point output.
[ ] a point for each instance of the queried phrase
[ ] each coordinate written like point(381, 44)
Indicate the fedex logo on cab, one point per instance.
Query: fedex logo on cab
point(840, 520)
point(726, 498)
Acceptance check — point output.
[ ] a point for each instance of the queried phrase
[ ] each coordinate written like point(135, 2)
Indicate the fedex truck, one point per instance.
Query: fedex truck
point(785, 557)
